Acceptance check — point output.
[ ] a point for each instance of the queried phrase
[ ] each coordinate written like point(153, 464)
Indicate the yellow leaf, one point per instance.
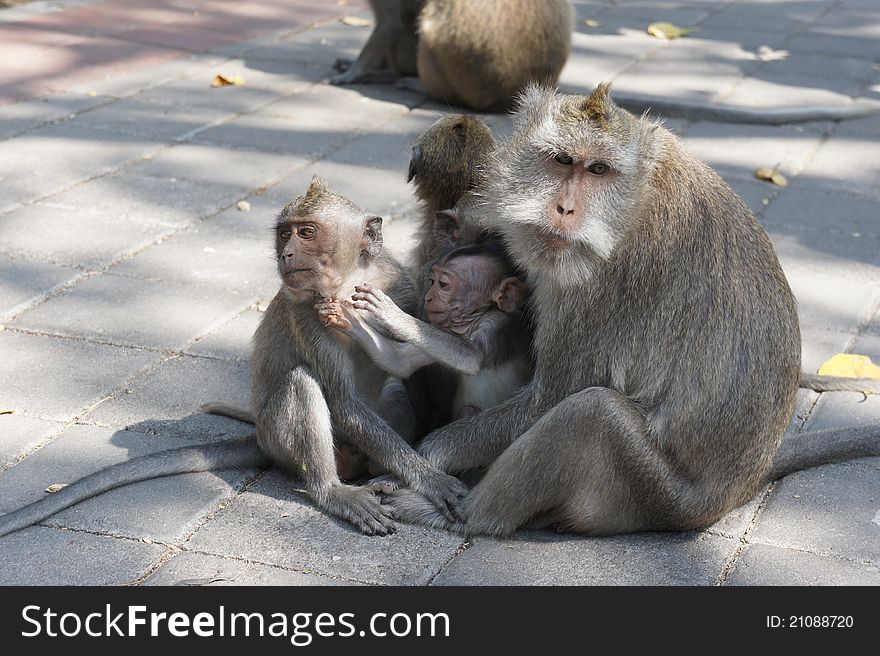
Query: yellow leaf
point(592, 23)
point(227, 81)
point(355, 21)
point(850, 365)
point(772, 175)
point(669, 31)
point(52, 489)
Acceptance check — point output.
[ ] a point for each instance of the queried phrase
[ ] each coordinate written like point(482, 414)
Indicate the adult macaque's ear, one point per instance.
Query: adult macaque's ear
point(510, 294)
point(371, 244)
point(448, 222)
point(415, 163)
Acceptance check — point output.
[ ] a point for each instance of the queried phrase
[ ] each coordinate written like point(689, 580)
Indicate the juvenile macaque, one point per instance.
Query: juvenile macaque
point(473, 305)
point(312, 386)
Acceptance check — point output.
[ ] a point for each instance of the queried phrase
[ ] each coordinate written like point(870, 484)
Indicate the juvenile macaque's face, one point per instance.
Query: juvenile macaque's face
point(462, 290)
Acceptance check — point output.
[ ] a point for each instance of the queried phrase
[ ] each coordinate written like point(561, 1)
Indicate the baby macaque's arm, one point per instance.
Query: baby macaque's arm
point(397, 358)
point(467, 356)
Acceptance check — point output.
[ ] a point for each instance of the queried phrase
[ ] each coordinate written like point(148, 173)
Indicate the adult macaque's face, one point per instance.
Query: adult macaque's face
point(461, 291)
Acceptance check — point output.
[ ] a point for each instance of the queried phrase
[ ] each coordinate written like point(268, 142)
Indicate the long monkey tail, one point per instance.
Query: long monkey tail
point(243, 452)
point(819, 383)
point(812, 449)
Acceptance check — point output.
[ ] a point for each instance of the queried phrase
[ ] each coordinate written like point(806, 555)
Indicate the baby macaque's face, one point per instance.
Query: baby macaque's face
point(462, 290)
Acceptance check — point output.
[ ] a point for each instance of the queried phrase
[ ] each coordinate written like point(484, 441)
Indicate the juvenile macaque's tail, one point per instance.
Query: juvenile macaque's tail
point(224, 410)
point(242, 452)
point(811, 449)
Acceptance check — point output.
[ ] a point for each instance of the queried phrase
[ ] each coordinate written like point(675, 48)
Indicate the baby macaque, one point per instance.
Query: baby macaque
point(473, 304)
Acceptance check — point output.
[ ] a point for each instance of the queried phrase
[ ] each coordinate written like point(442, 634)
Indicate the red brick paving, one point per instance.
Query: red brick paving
point(54, 52)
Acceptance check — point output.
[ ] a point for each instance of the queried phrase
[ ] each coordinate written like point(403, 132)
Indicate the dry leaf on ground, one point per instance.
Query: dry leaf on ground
point(228, 81)
point(243, 206)
point(669, 31)
point(355, 21)
point(6, 412)
point(52, 489)
point(850, 365)
point(592, 23)
point(771, 175)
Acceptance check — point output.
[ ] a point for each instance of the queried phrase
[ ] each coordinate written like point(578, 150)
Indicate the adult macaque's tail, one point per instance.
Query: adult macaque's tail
point(819, 383)
point(242, 452)
point(811, 449)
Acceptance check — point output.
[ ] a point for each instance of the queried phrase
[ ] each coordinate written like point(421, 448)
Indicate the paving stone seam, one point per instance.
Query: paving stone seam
point(743, 539)
point(464, 546)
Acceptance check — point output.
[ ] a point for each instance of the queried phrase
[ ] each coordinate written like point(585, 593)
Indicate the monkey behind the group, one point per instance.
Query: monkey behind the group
point(667, 346)
point(466, 52)
point(311, 384)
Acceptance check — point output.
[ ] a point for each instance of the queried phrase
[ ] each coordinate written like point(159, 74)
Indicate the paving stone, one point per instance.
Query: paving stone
point(231, 341)
point(831, 44)
point(136, 117)
point(71, 558)
point(765, 565)
point(210, 253)
point(73, 236)
point(155, 314)
point(27, 115)
point(165, 509)
point(738, 16)
point(735, 523)
point(772, 91)
point(166, 400)
point(308, 539)
point(58, 377)
point(845, 165)
point(199, 569)
point(837, 409)
point(815, 217)
point(830, 510)
point(22, 280)
point(820, 69)
point(153, 200)
point(19, 434)
point(216, 164)
point(319, 47)
point(739, 150)
point(542, 558)
point(307, 124)
point(819, 345)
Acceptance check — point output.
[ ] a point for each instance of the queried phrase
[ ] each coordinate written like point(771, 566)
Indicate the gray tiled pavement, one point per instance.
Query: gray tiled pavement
point(130, 285)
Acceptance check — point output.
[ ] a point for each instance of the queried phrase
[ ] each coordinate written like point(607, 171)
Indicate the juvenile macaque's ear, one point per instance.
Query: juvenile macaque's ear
point(510, 294)
point(371, 244)
point(448, 222)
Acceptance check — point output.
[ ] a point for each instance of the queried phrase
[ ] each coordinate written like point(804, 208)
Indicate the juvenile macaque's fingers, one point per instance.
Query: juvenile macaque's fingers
point(362, 305)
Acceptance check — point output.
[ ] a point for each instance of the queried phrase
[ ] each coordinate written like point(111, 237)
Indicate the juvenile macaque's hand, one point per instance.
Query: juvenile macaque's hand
point(379, 310)
point(332, 313)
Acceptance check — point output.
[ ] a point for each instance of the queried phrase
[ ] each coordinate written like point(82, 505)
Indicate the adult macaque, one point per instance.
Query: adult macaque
point(465, 52)
point(473, 305)
point(667, 346)
point(312, 385)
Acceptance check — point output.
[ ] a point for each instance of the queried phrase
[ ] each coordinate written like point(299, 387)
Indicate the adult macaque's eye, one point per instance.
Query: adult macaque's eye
point(443, 284)
point(285, 234)
point(307, 232)
point(562, 158)
point(598, 168)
